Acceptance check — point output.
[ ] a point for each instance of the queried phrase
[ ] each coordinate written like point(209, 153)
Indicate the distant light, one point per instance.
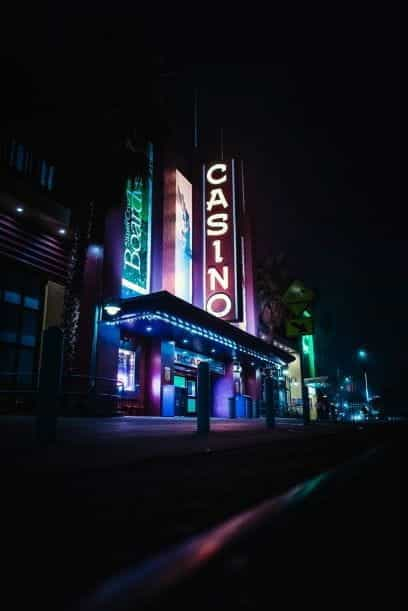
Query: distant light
point(362, 354)
point(19, 209)
point(185, 341)
point(213, 350)
point(252, 363)
point(148, 329)
point(95, 250)
point(112, 309)
point(62, 231)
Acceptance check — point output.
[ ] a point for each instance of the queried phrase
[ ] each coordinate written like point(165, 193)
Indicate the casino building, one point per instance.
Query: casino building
point(177, 289)
point(164, 282)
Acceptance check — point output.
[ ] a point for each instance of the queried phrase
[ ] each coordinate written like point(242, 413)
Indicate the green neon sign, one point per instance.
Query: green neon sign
point(137, 235)
point(309, 354)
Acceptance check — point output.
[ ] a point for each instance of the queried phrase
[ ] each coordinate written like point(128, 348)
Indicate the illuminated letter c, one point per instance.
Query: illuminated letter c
point(221, 167)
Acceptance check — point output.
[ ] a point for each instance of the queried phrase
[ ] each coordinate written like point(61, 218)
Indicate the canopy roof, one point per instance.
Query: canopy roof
point(163, 315)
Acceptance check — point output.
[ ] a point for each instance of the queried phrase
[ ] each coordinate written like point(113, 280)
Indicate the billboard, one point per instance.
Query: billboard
point(222, 291)
point(137, 233)
point(183, 264)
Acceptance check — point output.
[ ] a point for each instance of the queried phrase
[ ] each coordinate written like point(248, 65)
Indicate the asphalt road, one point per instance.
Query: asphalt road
point(69, 525)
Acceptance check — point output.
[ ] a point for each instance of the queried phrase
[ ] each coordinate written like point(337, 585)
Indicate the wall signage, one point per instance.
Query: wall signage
point(221, 242)
point(137, 235)
point(183, 264)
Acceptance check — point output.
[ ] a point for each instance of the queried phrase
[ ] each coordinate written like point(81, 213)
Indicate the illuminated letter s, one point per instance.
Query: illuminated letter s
point(217, 224)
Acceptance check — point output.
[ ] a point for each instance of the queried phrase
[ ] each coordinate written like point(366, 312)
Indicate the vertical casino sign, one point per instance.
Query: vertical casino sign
point(222, 270)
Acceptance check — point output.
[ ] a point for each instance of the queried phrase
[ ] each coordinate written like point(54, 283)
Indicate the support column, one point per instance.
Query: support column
point(106, 365)
point(203, 399)
point(270, 402)
point(49, 390)
point(91, 296)
point(167, 379)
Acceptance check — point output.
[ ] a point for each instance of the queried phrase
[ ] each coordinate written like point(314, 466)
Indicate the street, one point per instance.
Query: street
point(113, 492)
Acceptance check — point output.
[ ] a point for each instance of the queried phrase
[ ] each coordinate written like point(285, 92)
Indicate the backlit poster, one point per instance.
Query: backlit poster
point(126, 370)
point(183, 264)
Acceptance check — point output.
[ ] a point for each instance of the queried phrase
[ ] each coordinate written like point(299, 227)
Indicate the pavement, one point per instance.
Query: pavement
point(112, 492)
point(89, 443)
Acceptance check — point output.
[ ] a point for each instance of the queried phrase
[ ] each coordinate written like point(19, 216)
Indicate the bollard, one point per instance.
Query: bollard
point(269, 403)
point(49, 386)
point(203, 399)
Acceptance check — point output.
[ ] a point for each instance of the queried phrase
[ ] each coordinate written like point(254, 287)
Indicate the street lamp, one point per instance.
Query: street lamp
point(362, 355)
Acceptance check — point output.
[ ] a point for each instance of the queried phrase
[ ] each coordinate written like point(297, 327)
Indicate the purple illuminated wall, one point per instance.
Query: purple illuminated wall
point(153, 374)
point(223, 388)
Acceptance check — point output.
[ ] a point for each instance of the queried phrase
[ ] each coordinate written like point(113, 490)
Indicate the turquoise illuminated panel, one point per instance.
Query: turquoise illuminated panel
point(191, 405)
point(180, 381)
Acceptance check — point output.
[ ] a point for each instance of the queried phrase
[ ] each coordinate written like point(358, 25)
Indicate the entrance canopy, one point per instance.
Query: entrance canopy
point(169, 318)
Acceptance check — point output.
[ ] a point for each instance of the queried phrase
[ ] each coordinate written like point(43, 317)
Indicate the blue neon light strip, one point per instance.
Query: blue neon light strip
point(178, 322)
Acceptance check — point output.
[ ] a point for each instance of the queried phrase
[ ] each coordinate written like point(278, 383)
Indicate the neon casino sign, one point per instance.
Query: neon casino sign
point(221, 242)
point(137, 235)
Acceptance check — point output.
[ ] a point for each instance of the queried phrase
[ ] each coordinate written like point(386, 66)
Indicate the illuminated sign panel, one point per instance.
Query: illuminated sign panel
point(221, 241)
point(137, 235)
point(126, 369)
point(183, 264)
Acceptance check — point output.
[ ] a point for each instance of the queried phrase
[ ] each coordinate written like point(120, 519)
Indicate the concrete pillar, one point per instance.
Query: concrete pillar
point(106, 362)
point(49, 389)
point(91, 295)
point(203, 399)
point(270, 402)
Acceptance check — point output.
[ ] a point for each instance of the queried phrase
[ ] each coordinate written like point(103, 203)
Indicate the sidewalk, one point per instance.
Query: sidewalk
point(95, 443)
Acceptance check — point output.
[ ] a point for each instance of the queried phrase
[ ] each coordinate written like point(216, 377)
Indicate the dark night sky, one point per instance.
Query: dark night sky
point(311, 102)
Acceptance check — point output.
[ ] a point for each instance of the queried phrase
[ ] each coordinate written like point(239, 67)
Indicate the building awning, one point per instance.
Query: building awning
point(165, 316)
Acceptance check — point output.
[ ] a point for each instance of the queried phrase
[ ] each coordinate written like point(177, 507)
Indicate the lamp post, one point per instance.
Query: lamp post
point(362, 355)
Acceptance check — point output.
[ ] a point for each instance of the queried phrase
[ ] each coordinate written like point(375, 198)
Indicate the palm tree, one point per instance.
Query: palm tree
point(272, 280)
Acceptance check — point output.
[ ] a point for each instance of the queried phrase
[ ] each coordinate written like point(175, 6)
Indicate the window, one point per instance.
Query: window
point(25, 367)
point(180, 381)
point(29, 328)
point(12, 297)
point(20, 327)
point(23, 161)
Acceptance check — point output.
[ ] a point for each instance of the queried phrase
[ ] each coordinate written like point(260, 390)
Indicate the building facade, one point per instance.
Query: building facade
point(170, 286)
point(149, 274)
point(34, 263)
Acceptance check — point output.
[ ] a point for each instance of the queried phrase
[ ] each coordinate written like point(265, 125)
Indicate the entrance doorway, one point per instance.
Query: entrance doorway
point(185, 385)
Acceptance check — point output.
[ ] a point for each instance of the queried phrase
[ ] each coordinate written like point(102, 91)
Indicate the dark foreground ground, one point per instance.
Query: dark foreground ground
point(112, 493)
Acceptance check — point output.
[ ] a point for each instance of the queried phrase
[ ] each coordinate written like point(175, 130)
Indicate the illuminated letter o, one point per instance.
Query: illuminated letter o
point(227, 304)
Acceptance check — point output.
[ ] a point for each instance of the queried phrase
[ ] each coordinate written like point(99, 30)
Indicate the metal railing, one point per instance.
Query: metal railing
point(19, 396)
